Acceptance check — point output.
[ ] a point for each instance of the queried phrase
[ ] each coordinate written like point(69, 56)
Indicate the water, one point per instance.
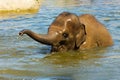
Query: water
point(21, 58)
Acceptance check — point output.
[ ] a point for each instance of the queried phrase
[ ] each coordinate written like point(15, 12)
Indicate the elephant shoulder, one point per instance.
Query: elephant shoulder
point(86, 17)
point(90, 21)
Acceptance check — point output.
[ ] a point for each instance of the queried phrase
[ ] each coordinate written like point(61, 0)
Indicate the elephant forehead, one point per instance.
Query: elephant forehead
point(56, 28)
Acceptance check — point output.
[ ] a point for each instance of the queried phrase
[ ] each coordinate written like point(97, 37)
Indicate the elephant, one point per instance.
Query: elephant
point(71, 32)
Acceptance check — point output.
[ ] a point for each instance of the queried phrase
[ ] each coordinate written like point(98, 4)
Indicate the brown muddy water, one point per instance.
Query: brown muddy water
point(21, 58)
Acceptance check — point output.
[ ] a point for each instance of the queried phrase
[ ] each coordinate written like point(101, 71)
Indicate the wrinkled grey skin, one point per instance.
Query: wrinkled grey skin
point(68, 33)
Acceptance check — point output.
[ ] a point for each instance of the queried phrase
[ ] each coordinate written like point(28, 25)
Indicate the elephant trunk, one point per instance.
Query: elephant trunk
point(42, 38)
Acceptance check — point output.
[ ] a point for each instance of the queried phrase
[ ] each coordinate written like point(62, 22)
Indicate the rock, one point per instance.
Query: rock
point(19, 5)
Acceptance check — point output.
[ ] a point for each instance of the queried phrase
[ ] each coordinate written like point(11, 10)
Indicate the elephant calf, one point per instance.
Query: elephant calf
point(71, 32)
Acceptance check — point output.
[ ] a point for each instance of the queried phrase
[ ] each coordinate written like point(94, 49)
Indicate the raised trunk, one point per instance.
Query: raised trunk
point(42, 38)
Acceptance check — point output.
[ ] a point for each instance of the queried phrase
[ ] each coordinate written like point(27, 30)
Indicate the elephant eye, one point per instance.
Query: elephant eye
point(65, 35)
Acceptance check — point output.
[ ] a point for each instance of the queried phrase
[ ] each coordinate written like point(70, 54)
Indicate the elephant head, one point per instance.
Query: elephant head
point(65, 33)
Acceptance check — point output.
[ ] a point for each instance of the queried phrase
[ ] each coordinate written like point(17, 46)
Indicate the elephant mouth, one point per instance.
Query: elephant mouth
point(60, 48)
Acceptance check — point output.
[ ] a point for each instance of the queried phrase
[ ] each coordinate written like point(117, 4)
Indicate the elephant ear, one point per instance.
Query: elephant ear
point(81, 36)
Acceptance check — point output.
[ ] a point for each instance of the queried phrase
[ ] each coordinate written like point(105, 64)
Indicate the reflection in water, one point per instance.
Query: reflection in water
point(68, 64)
point(14, 14)
point(73, 58)
point(68, 3)
point(23, 58)
point(71, 3)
